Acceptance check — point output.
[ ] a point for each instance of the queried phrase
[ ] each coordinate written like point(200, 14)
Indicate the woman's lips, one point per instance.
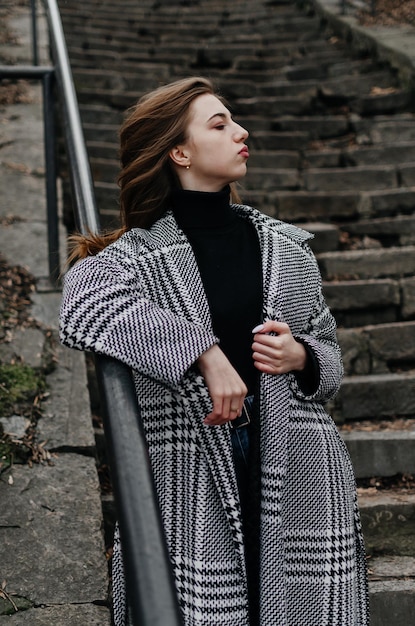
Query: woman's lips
point(244, 152)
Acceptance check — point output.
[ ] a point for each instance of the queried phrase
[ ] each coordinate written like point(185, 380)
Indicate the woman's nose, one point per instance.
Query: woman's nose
point(241, 133)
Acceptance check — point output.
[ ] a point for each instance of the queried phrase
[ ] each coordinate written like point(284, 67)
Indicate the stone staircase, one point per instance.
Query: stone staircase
point(332, 149)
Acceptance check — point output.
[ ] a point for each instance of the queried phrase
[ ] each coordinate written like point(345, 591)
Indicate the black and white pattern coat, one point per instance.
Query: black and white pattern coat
point(141, 300)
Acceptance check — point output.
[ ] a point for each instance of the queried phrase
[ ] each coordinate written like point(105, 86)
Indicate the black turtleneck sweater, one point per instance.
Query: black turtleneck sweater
point(227, 252)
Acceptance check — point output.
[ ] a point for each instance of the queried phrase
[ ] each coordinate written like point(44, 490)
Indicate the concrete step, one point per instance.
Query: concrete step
point(334, 205)
point(382, 452)
point(361, 264)
point(107, 133)
point(376, 396)
point(275, 106)
point(315, 126)
point(222, 54)
point(269, 179)
point(264, 139)
point(378, 348)
point(102, 80)
point(361, 178)
point(388, 520)
point(326, 236)
point(394, 102)
point(278, 159)
point(100, 113)
point(358, 303)
point(391, 591)
point(386, 154)
point(399, 230)
point(383, 129)
point(193, 25)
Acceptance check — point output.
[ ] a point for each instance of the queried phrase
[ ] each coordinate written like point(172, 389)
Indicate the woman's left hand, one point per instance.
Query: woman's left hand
point(278, 353)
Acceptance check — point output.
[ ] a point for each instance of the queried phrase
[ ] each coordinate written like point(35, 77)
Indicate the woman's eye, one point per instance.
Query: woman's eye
point(220, 127)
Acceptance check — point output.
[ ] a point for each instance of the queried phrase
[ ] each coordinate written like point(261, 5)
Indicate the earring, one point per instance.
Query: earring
point(188, 167)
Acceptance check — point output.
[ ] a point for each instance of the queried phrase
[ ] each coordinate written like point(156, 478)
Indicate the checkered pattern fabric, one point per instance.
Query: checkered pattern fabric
point(141, 300)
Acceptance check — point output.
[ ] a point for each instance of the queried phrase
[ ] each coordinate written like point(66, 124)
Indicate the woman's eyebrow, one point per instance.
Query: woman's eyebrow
point(222, 115)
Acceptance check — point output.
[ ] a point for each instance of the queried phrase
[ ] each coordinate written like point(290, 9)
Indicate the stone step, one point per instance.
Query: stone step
point(114, 98)
point(266, 140)
point(383, 129)
point(391, 591)
point(279, 159)
point(105, 170)
point(281, 88)
point(130, 46)
point(326, 236)
point(378, 348)
point(315, 126)
point(274, 106)
point(374, 263)
point(342, 206)
point(376, 396)
point(107, 133)
point(382, 452)
point(358, 303)
point(269, 179)
point(100, 113)
point(396, 153)
point(193, 25)
point(123, 57)
point(361, 178)
point(398, 230)
point(371, 294)
point(388, 526)
point(388, 520)
point(103, 80)
point(395, 102)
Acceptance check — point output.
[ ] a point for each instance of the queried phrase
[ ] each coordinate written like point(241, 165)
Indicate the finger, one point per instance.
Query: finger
point(267, 368)
point(271, 326)
point(265, 358)
point(270, 350)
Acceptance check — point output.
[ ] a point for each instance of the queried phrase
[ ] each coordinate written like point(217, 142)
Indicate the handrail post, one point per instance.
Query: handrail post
point(51, 177)
point(46, 75)
point(34, 33)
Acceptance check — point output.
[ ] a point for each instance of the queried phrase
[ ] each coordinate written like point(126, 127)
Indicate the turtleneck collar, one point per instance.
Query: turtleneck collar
point(201, 209)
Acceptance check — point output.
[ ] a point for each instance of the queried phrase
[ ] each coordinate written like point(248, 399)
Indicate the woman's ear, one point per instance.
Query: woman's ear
point(180, 156)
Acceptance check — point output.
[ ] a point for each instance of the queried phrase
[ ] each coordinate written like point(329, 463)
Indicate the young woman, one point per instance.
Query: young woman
point(218, 310)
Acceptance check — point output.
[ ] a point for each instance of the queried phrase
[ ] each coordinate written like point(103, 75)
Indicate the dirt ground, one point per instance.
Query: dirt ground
point(389, 13)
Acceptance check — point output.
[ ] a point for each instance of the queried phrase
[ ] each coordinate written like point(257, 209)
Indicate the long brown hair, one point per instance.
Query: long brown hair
point(152, 127)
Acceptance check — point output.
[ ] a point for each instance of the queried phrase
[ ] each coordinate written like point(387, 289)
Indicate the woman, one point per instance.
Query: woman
point(218, 310)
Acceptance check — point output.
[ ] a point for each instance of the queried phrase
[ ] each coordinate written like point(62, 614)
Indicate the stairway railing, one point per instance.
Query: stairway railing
point(150, 589)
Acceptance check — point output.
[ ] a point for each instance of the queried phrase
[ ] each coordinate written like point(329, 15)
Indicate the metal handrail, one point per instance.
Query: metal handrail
point(150, 589)
point(46, 75)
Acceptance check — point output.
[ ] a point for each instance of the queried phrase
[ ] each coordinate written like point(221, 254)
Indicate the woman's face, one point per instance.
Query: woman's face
point(215, 150)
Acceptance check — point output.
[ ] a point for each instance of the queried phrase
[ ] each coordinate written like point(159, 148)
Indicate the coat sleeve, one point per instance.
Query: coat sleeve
point(319, 336)
point(103, 310)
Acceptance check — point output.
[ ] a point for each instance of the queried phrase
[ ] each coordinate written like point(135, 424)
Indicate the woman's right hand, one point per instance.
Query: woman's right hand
point(226, 388)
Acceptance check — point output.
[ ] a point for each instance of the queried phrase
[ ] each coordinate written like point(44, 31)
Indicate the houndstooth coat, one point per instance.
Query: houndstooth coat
point(141, 300)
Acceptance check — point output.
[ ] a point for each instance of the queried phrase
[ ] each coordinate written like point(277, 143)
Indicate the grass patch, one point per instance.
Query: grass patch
point(19, 384)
